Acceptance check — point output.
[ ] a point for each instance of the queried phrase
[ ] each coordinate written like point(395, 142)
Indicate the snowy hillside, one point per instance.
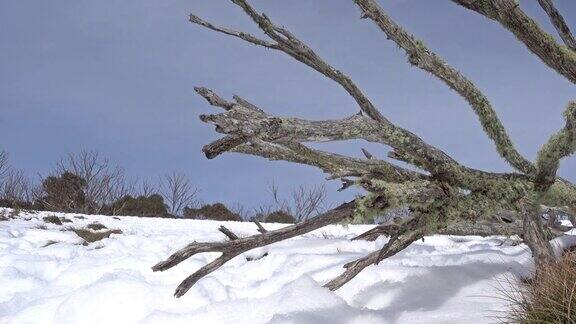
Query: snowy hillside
point(48, 276)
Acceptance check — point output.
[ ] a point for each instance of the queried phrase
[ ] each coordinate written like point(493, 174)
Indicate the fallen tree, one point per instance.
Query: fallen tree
point(443, 196)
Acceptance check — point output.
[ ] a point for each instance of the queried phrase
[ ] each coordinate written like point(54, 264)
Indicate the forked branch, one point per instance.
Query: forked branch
point(449, 199)
point(397, 243)
point(558, 146)
point(422, 57)
point(233, 248)
point(558, 21)
point(509, 14)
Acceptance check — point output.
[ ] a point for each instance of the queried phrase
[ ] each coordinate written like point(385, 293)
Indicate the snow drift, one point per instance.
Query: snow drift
point(48, 276)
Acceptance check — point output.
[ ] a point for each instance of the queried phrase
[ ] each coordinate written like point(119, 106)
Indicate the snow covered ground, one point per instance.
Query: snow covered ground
point(48, 276)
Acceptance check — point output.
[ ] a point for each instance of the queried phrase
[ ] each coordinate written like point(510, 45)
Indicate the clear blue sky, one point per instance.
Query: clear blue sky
point(117, 77)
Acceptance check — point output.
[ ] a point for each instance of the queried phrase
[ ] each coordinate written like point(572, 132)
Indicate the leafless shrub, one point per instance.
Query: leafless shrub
point(262, 211)
point(105, 183)
point(118, 187)
point(280, 216)
point(279, 202)
point(146, 188)
point(217, 211)
point(37, 192)
point(178, 192)
point(308, 201)
point(304, 202)
point(4, 166)
point(16, 186)
point(241, 210)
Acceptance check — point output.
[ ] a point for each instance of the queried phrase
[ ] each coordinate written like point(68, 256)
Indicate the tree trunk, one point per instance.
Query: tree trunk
point(535, 238)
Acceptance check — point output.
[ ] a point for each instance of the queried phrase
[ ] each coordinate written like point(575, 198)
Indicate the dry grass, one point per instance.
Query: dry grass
point(96, 226)
point(90, 236)
point(14, 213)
point(53, 219)
point(548, 298)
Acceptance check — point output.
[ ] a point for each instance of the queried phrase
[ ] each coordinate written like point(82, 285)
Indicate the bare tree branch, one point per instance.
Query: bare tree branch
point(244, 36)
point(422, 57)
point(395, 245)
point(559, 23)
point(16, 187)
point(367, 154)
point(243, 123)
point(178, 192)
point(289, 44)
point(509, 14)
point(228, 233)
point(308, 201)
point(461, 228)
point(303, 203)
point(451, 198)
point(236, 247)
point(558, 146)
point(146, 189)
point(335, 164)
point(222, 145)
point(4, 164)
point(104, 182)
point(261, 228)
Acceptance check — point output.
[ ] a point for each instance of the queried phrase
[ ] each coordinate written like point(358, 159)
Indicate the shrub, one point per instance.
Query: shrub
point(548, 298)
point(64, 193)
point(104, 182)
point(280, 216)
point(145, 206)
point(215, 211)
point(53, 219)
point(16, 204)
point(95, 226)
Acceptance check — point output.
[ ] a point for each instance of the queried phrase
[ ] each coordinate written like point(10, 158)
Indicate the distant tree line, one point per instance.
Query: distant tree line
point(87, 183)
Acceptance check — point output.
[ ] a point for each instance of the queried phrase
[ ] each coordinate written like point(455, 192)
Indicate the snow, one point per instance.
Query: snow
point(560, 244)
point(48, 276)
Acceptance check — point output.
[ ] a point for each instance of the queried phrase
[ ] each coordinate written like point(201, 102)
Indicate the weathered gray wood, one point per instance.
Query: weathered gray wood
point(482, 228)
point(422, 57)
point(228, 233)
point(395, 245)
point(261, 228)
point(367, 154)
point(233, 248)
point(446, 196)
point(535, 237)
